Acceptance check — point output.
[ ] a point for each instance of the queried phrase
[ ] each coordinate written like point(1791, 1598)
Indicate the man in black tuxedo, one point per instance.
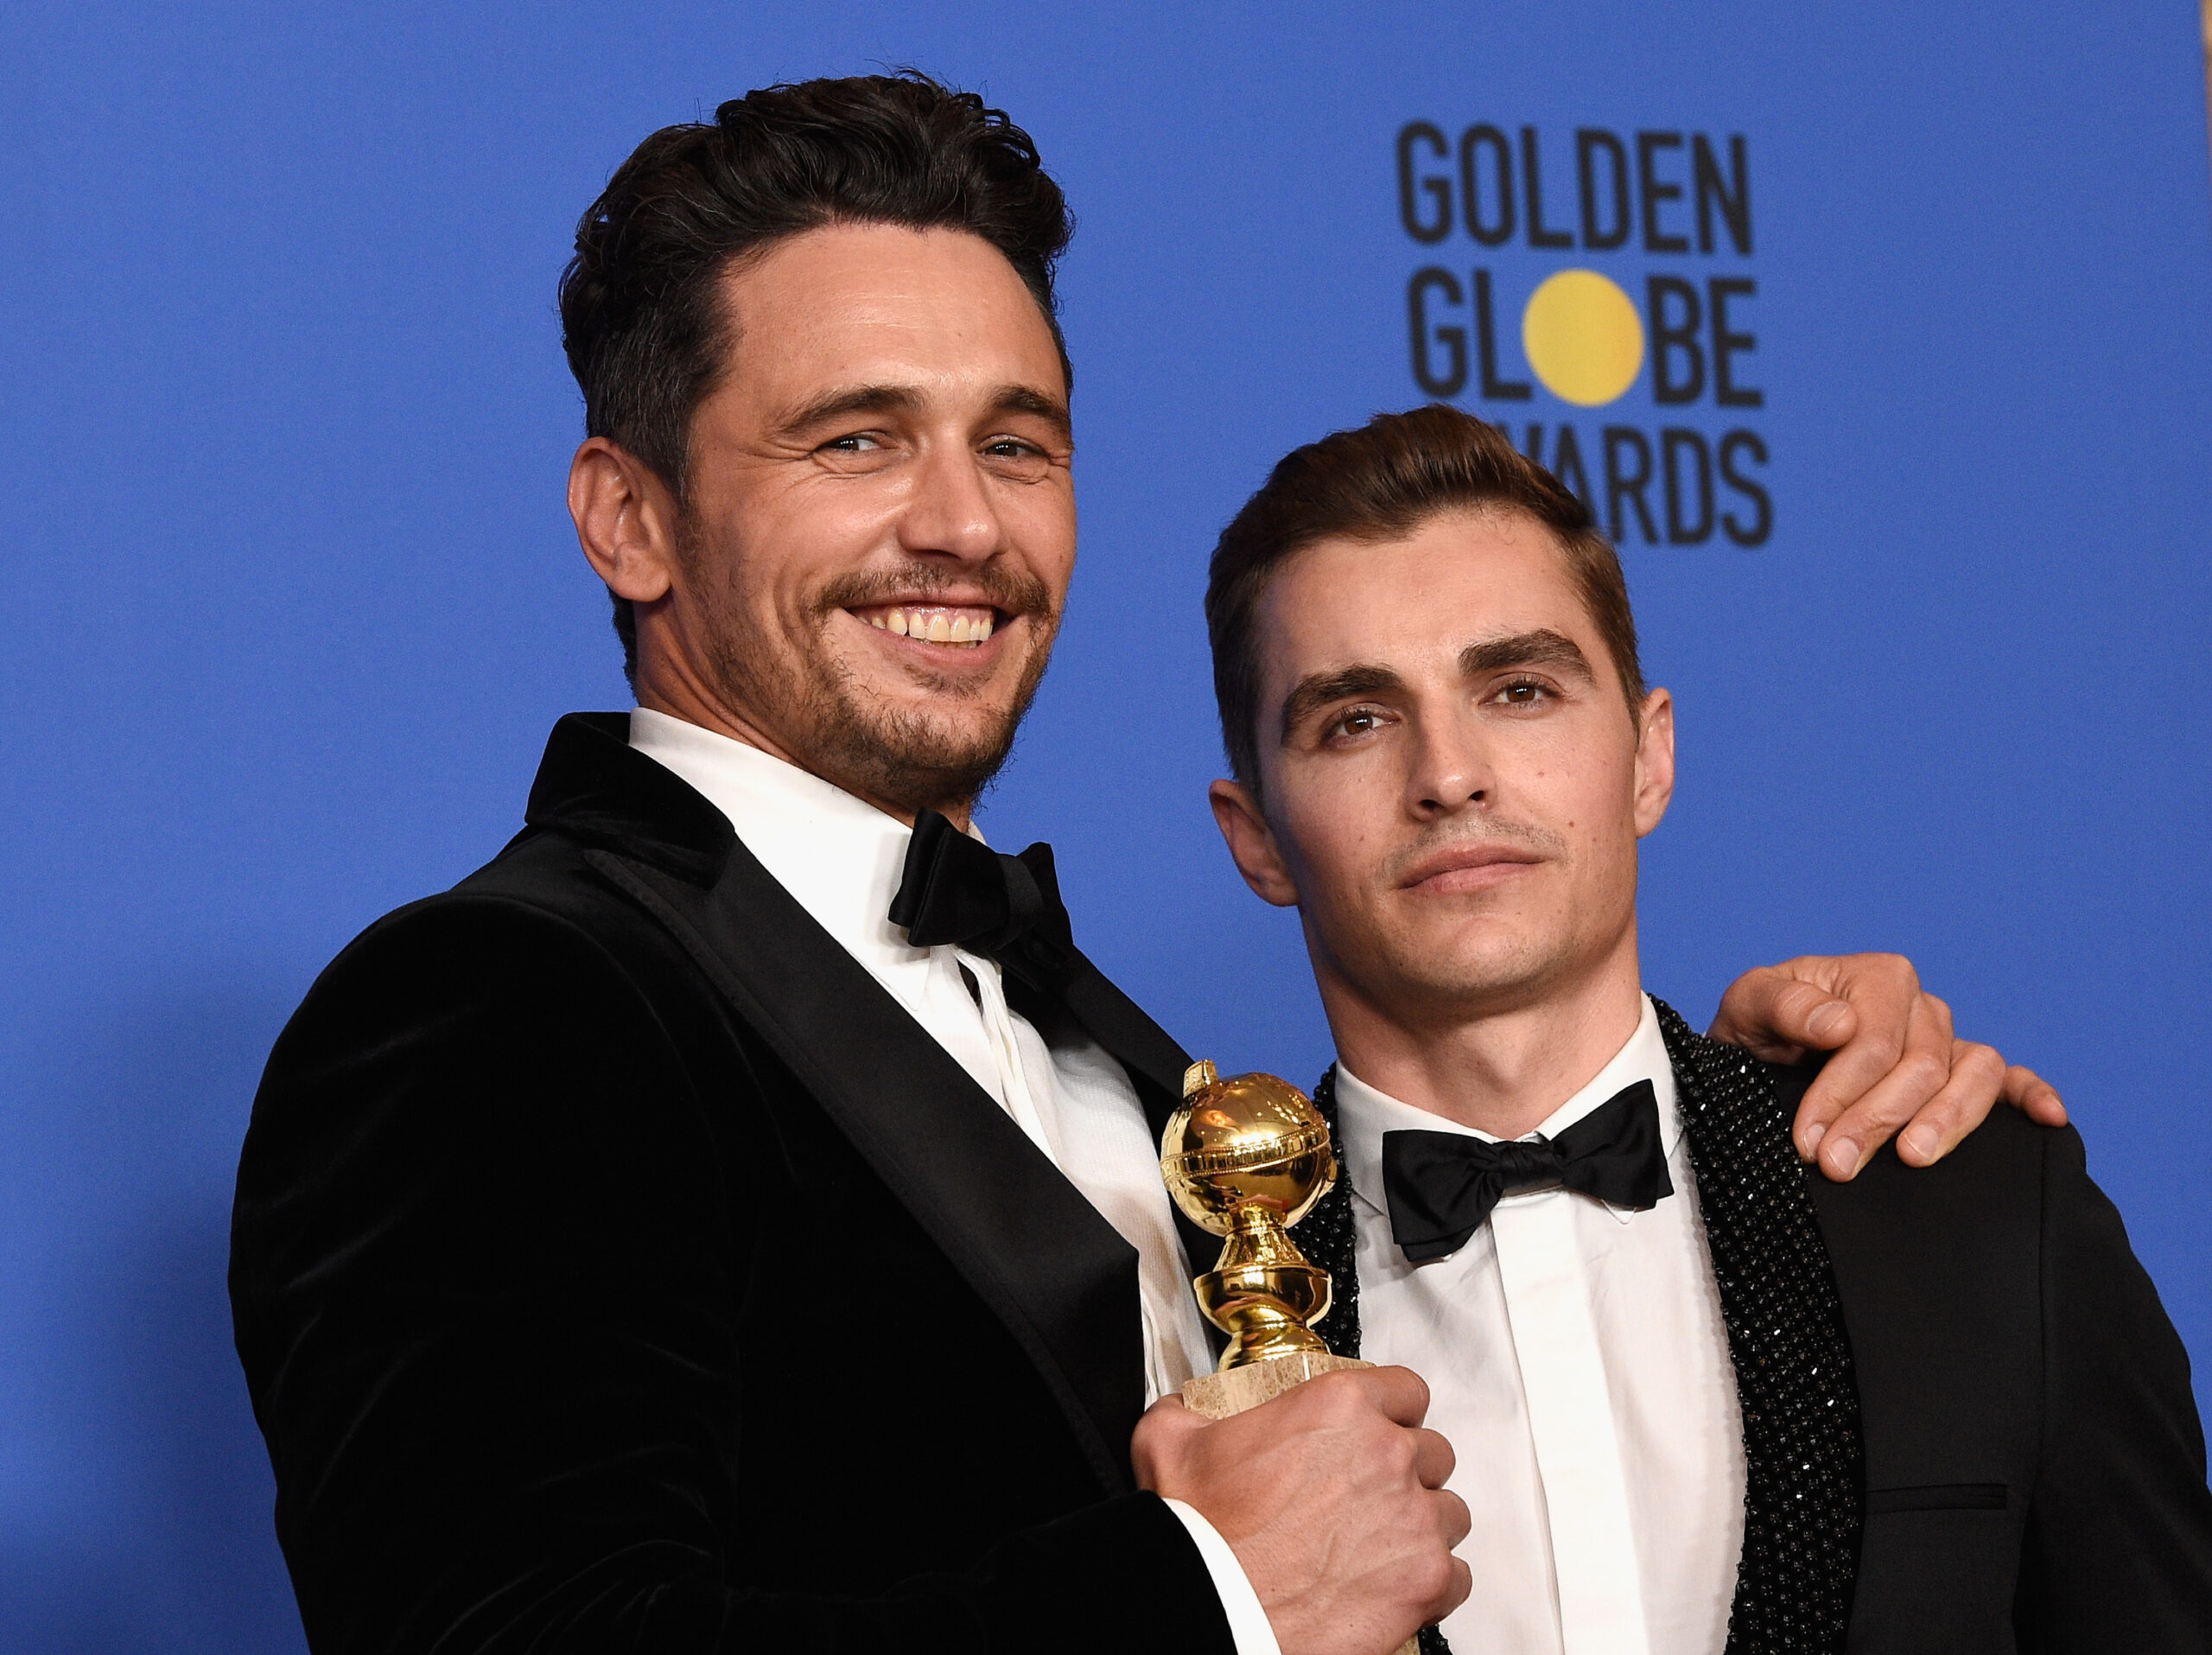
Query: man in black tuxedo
point(730, 1218)
point(1697, 1398)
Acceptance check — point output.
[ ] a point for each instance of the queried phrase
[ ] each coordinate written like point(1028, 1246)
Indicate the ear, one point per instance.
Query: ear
point(1654, 762)
point(626, 521)
point(1251, 842)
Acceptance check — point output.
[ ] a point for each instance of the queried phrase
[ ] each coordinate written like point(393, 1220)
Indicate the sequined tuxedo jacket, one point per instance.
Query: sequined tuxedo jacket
point(1967, 1418)
point(617, 1266)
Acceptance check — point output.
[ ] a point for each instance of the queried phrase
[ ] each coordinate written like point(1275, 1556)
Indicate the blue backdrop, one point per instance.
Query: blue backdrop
point(296, 598)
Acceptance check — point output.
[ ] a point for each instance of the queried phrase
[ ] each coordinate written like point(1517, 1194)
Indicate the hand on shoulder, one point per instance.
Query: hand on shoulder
point(1896, 1063)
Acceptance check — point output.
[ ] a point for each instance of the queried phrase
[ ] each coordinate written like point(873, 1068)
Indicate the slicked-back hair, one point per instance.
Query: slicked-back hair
point(1383, 481)
point(642, 316)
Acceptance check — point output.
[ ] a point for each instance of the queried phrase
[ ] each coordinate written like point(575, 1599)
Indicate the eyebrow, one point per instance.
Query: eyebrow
point(847, 400)
point(1541, 648)
point(1318, 689)
point(1027, 399)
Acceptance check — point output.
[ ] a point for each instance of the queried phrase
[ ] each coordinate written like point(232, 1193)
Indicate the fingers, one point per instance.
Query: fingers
point(1400, 1394)
point(1449, 1580)
point(1462, 1588)
point(1348, 1398)
point(1961, 1105)
point(1453, 1524)
point(1454, 1521)
point(1781, 1012)
point(1883, 991)
point(2034, 1096)
point(1330, 1495)
point(1433, 1459)
point(1159, 1439)
point(1921, 1069)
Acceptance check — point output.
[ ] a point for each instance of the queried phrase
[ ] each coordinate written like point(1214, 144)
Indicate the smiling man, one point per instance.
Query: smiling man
point(1697, 1398)
point(731, 1219)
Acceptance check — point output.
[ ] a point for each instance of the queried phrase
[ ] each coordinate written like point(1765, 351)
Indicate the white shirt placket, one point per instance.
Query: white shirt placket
point(1570, 1417)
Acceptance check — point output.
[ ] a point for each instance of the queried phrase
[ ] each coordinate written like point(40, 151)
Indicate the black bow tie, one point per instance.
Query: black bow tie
point(958, 890)
point(1441, 1186)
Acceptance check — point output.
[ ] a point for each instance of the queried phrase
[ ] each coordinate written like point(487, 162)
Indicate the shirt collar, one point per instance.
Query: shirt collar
point(1363, 1114)
point(840, 856)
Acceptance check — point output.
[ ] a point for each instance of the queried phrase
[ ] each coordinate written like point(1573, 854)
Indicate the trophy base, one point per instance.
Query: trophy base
point(1219, 1395)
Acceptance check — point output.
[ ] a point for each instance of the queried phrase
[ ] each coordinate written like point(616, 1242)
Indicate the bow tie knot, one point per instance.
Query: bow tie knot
point(1441, 1186)
point(1527, 1164)
point(956, 889)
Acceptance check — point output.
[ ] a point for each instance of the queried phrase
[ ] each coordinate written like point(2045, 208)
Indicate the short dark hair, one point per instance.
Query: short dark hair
point(1382, 482)
point(641, 318)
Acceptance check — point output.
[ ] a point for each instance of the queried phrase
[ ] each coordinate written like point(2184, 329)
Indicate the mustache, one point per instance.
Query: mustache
point(1521, 835)
point(1013, 592)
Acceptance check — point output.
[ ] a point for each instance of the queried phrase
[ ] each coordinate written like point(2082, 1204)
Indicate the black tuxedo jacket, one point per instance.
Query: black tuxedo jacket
point(1968, 1422)
point(616, 1266)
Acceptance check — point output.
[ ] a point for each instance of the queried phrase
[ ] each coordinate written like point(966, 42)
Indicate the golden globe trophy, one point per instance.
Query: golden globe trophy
point(1246, 1158)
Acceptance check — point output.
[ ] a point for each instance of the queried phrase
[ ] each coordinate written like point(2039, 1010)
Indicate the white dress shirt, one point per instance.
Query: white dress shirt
point(841, 859)
point(1577, 1362)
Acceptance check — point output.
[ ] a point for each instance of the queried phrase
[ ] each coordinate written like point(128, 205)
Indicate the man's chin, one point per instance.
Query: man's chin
point(910, 761)
point(902, 743)
point(1476, 974)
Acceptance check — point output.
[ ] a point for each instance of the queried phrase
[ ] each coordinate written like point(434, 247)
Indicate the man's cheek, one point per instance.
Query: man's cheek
point(1312, 849)
point(1339, 847)
point(1347, 790)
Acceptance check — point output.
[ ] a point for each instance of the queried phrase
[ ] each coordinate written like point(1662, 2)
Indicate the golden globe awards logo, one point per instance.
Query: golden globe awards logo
point(1670, 214)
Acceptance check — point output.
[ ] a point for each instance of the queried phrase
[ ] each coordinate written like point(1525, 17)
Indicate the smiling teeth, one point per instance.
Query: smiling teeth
point(933, 626)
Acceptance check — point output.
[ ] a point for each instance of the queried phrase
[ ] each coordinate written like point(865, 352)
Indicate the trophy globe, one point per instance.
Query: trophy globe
point(1246, 1158)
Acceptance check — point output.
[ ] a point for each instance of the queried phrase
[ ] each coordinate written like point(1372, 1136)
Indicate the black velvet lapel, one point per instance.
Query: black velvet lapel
point(1057, 1273)
point(1798, 1399)
point(595, 788)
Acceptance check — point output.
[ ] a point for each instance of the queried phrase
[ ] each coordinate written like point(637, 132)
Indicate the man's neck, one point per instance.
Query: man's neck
point(1502, 1070)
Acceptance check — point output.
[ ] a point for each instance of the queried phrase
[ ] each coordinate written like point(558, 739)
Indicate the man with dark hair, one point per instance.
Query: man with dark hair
point(730, 1219)
point(1695, 1396)
point(643, 313)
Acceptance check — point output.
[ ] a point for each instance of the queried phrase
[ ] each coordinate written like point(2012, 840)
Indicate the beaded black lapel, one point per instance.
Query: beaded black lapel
point(1794, 1382)
point(1325, 1235)
point(1794, 1385)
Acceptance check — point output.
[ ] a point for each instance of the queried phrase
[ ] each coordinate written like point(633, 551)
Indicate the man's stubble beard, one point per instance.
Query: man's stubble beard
point(901, 757)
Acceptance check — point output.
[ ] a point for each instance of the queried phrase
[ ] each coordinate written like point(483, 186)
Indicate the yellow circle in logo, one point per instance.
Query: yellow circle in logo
point(1583, 338)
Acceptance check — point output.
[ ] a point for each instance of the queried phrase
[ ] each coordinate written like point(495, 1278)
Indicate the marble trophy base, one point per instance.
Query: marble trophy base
point(1219, 1395)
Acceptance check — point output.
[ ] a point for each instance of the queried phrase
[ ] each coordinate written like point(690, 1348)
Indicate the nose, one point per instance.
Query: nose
point(950, 512)
point(1451, 771)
